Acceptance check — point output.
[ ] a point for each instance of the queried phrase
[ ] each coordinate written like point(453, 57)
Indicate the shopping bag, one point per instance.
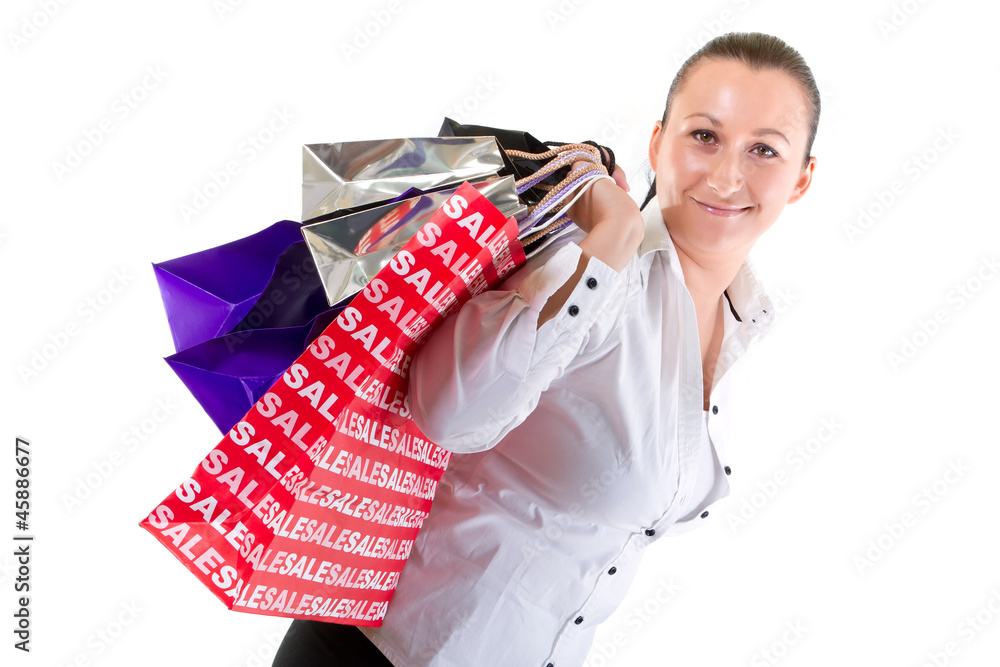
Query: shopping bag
point(349, 250)
point(310, 504)
point(207, 293)
point(521, 153)
point(350, 174)
point(228, 367)
point(507, 140)
point(229, 373)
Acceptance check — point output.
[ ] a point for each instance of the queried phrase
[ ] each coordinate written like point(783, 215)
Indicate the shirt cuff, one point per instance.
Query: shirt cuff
point(590, 299)
point(548, 278)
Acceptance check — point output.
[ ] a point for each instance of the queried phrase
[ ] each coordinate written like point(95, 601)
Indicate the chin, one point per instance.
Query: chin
point(700, 237)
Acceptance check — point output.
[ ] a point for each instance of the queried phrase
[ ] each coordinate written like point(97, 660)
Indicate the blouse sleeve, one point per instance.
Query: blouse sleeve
point(482, 370)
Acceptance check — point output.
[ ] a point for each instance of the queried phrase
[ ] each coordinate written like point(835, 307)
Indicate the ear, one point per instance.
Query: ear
point(654, 145)
point(805, 180)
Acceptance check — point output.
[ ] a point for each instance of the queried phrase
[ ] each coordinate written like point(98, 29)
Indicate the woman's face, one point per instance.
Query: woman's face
point(730, 157)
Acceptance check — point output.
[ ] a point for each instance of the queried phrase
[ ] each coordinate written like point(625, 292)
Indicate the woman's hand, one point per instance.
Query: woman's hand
point(611, 219)
point(614, 229)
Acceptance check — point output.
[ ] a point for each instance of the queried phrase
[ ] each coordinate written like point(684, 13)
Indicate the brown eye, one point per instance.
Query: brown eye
point(764, 151)
point(703, 136)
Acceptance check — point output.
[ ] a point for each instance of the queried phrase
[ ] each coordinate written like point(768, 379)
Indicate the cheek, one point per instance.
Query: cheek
point(771, 187)
point(681, 167)
point(693, 164)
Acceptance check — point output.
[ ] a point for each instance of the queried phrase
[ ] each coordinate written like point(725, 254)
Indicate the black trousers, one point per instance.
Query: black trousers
point(311, 643)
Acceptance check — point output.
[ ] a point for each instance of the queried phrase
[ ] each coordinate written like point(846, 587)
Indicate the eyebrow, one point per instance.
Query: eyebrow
point(759, 133)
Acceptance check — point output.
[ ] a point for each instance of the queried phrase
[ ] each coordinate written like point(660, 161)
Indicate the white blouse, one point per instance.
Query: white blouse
point(577, 445)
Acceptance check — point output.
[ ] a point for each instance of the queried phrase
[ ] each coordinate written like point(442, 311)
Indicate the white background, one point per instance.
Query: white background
point(562, 71)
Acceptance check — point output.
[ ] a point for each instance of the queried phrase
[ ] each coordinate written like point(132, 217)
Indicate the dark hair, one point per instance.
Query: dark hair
point(758, 52)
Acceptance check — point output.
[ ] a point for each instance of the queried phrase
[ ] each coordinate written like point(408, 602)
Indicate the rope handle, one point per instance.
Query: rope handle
point(563, 195)
point(558, 157)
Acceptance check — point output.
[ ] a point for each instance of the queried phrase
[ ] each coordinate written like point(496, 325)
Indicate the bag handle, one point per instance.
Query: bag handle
point(558, 196)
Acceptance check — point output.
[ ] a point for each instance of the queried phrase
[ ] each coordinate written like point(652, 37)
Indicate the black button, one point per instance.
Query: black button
point(579, 620)
point(704, 514)
point(650, 532)
point(612, 570)
point(574, 311)
point(715, 409)
point(550, 665)
point(591, 283)
point(729, 471)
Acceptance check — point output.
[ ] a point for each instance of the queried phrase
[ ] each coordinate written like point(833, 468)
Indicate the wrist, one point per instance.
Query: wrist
point(614, 242)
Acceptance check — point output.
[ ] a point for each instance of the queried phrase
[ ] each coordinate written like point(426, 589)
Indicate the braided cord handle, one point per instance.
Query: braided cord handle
point(555, 200)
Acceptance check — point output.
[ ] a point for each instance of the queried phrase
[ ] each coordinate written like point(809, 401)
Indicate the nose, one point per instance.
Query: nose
point(725, 175)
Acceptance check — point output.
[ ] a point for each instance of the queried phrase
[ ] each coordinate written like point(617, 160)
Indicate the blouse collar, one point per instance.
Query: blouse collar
point(748, 301)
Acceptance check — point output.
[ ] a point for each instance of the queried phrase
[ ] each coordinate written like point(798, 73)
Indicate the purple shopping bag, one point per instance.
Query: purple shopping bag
point(207, 293)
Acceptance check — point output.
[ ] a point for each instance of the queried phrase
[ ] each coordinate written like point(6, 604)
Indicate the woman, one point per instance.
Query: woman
point(589, 394)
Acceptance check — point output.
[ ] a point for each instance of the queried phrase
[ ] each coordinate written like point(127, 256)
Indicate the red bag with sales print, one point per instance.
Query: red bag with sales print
point(309, 506)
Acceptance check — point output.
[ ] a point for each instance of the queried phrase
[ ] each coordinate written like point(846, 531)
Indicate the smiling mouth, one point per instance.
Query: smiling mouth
point(720, 210)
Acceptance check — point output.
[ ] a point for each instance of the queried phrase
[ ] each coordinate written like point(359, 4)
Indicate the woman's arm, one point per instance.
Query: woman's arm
point(482, 370)
point(615, 229)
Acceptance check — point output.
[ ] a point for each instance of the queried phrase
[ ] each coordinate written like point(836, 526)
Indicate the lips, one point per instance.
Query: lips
point(721, 210)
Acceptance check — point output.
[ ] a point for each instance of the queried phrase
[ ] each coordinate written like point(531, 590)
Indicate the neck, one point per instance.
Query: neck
point(707, 278)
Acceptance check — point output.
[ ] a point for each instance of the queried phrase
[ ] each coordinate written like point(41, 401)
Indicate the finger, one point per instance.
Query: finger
point(620, 179)
point(619, 174)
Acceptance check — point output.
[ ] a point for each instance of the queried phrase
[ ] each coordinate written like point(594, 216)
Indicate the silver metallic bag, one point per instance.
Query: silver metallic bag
point(354, 173)
point(352, 237)
point(351, 249)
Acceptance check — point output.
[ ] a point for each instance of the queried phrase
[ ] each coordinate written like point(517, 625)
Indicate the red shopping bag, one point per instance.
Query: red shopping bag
point(309, 506)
